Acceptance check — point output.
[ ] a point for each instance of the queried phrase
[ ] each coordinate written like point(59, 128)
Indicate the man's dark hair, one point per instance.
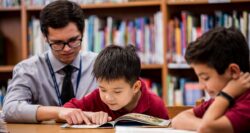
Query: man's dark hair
point(59, 14)
point(116, 62)
point(218, 48)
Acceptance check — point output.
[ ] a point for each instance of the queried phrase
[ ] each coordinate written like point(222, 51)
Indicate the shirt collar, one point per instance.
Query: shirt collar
point(58, 65)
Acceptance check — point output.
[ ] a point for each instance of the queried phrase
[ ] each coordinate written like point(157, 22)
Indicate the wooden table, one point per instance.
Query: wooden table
point(50, 128)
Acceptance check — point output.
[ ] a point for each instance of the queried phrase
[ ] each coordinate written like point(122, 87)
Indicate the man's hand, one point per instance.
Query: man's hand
point(100, 117)
point(236, 87)
point(73, 116)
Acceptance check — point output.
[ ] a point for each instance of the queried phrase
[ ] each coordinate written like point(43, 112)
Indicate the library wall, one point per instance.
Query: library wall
point(160, 29)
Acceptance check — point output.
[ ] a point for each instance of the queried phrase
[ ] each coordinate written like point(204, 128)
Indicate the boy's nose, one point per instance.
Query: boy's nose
point(108, 97)
point(202, 86)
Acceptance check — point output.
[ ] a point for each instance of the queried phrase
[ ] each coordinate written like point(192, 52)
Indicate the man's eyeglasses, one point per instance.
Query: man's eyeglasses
point(58, 46)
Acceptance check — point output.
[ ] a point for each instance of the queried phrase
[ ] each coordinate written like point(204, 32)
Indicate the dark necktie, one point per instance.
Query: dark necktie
point(67, 87)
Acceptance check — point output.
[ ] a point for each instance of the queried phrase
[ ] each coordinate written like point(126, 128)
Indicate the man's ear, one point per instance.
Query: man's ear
point(137, 86)
point(234, 70)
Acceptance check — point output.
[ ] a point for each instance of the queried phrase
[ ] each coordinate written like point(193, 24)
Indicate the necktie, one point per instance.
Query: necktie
point(67, 87)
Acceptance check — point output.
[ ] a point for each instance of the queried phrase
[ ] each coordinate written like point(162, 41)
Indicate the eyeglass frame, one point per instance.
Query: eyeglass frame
point(65, 43)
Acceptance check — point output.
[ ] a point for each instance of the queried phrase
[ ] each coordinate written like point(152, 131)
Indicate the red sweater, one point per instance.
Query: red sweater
point(149, 103)
point(238, 114)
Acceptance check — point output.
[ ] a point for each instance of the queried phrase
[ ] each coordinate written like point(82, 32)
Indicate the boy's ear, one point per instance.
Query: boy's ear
point(234, 70)
point(137, 86)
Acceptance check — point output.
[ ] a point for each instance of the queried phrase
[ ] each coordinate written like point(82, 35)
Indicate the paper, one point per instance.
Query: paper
point(219, 1)
point(79, 126)
point(120, 129)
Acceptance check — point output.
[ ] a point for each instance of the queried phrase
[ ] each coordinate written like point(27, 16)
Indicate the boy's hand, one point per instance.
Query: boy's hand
point(236, 87)
point(73, 116)
point(100, 117)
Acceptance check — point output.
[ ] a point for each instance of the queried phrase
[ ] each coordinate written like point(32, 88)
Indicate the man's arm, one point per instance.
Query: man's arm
point(17, 105)
point(19, 111)
point(45, 113)
point(186, 120)
point(61, 114)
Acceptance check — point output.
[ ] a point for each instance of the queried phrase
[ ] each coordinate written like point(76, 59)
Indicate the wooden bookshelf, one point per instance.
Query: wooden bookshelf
point(178, 66)
point(122, 5)
point(151, 66)
point(14, 25)
point(10, 9)
point(6, 69)
point(195, 8)
point(109, 5)
point(10, 28)
point(197, 2)
point(186, 2)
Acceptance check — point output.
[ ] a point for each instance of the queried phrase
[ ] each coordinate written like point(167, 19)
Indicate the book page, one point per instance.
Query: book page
point(66, 125)
point(105, 125)
point(120, 129)
point(142, 118)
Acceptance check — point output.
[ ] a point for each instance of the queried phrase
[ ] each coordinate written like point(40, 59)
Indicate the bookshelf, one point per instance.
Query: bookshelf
point(14, 22)
point(10, 25)
point(217, 12)
point(20, 17)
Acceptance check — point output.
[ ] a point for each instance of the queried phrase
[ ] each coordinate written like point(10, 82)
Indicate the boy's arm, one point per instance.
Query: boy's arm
point(214, 119)
point(186, 120)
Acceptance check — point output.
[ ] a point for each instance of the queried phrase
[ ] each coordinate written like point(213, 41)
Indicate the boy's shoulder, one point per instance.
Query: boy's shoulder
point(93, 94)
point(149, 98)
point(243, 98)
point(149, 95)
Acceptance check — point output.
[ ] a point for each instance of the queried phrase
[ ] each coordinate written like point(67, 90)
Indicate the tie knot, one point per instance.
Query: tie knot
point(68, 69)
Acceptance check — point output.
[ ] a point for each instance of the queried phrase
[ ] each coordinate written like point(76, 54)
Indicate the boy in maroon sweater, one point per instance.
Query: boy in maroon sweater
point(220, 59)
point(120, 91)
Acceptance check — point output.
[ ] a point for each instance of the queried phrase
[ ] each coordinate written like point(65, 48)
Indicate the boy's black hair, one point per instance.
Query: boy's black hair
point(116, 62)
point(59, 14)
point(218, 48)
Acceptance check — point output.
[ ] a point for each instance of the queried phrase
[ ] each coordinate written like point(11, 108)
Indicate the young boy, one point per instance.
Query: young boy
point(220, 59)
point(117, 71)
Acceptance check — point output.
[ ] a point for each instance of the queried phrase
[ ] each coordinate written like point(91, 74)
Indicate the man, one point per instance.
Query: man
point(56, 76)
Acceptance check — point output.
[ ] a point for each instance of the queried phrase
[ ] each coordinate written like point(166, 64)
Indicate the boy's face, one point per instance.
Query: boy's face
point(210, 80)
point(118, 94)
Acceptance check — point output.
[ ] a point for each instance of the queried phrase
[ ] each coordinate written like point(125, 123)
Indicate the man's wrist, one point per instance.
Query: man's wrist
point(229, 98)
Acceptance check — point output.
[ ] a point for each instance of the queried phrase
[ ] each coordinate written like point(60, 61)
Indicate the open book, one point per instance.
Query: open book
point(131, 119)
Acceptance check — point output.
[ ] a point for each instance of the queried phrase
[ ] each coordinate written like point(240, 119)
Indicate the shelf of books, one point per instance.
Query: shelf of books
point(122, 5)
point(196, 2)
point(159, 29)
point(125, 4)
point(187, 20)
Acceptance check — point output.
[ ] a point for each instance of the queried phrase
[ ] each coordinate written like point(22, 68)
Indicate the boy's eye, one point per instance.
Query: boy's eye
point(205, 78)
point(117, 92)
point(103, 90)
